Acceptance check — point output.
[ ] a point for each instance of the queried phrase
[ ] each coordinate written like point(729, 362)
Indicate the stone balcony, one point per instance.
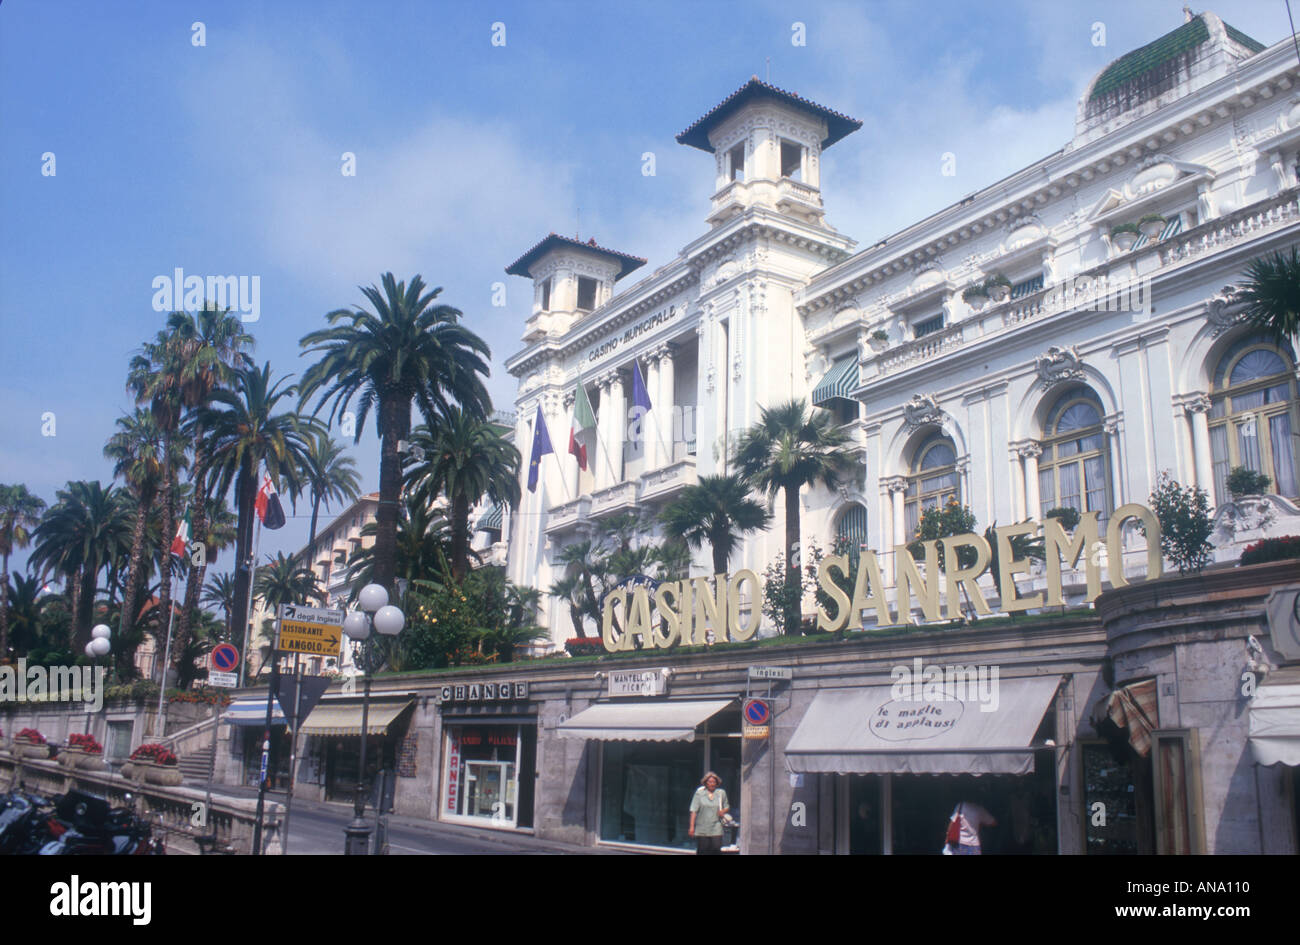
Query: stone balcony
point(564, 518)
point(661, 484)
point(1117, 284)
point(786, 194)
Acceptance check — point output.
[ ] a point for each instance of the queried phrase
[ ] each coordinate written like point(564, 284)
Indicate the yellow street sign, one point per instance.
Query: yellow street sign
point(312, 630)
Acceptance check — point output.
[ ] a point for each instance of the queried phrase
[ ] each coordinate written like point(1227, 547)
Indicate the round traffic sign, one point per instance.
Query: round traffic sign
point(756, 712)
point(224, 657)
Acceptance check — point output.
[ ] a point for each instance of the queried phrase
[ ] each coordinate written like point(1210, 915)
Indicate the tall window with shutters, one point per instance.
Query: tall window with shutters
point(1074, 469)
point(934, 479)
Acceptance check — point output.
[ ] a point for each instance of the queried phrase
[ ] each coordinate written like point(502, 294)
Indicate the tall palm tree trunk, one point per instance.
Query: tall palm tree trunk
point(199, 526)
point(246, 496)
point(396, 416)
point(165, 568)
point(720, 556)
point(4, 607)
point(792, 582)
point(74, 601)
point(459, 537)
point(85, 612)
point(127, 637)
point(311, 536)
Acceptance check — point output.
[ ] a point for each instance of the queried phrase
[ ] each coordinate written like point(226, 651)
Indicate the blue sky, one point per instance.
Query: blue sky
point(225, 159)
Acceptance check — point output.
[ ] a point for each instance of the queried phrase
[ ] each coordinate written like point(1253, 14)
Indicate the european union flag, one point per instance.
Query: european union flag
point(541, 446)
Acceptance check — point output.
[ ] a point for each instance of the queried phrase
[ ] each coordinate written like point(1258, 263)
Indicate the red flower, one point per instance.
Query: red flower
point(32, 736)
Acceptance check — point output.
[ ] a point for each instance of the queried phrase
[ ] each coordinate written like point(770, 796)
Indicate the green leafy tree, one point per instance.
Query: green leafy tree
point(20, 513)
point(1272, 294)
point(284, 581)
point(1185, 524)
point(789, 448)
point(220, 593)
point(465, 459)
point(423, 541)
point(406, 351)
point(719, 510)
point(329, 475)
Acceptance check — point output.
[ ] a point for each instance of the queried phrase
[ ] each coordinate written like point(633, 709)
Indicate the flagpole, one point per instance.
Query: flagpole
point(248, 612)
point(167, 654)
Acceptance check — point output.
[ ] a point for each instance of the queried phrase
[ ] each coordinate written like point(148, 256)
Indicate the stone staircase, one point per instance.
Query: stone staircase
point(196, 765)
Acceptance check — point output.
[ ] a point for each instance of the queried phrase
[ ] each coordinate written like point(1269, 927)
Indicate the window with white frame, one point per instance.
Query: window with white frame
point(1253, 414)
point(933, 481)
point(1073, 470)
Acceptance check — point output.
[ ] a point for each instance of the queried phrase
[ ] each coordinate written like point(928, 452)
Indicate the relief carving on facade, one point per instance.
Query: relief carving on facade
point(1058, 364)
point(921, 410)
point(1224, 310)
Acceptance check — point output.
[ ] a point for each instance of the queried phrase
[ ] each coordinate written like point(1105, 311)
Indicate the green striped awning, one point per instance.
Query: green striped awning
point(839, 381)
point(489, 520)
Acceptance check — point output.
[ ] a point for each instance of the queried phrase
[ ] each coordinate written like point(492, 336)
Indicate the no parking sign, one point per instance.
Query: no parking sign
point(756, 715)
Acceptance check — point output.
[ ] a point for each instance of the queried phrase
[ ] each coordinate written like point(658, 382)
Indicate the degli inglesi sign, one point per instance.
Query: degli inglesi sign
point(683, 612)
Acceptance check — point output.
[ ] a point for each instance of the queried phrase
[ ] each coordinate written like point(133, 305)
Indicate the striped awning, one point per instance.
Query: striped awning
point(252, 712)
point(839, 381)
point(1134, 708)
point(489, 520)
point(328, 719)
point(1172, 228)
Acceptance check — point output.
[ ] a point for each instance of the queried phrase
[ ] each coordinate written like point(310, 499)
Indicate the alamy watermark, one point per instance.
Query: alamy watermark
point(921, 683)
point(23, 683)
point(179, 292)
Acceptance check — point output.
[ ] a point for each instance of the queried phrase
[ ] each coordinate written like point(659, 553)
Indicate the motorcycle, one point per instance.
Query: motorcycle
point(24, 822)
point(85, 825)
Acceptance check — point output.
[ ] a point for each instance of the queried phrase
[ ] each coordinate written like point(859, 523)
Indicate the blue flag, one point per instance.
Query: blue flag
point(640, 397)
point(541, 446)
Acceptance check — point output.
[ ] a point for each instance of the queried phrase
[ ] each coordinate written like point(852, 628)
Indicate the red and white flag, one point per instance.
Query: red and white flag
point(268, 507)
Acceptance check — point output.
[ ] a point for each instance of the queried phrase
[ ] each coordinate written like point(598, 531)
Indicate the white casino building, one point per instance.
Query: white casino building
point(1109, 359)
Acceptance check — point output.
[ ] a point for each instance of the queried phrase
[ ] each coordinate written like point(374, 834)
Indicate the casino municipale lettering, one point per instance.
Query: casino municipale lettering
point(684, 611)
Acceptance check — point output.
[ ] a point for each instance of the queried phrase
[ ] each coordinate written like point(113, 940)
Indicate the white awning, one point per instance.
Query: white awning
point(668, 721)
point(252, 712)
point(868, 731)
point(1275, 722)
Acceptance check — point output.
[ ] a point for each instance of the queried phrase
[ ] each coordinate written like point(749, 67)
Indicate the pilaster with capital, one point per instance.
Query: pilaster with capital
point(1198, 406)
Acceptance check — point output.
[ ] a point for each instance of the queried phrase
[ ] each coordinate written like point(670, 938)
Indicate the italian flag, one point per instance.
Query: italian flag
point(182, 539)
point(584, 418)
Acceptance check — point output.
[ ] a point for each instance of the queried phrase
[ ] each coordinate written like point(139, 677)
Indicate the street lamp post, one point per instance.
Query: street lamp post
point(100, 645)
point(388, 620)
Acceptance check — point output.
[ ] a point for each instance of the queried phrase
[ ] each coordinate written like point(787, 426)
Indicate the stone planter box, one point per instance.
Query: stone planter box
point(79, 759)
point(28, 750)
point(1124, 241)
point(146, 772)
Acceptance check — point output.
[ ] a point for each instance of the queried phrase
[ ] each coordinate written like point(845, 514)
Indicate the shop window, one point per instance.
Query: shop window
point(1111, 829)
point(933, 481)
point(1252, 415)
point(646, 787)
point(546, 294)
point(928, 326)
point(488, 773)
point(736, 162)
point(791, 160)
point(586, 294)
point(1074, 468)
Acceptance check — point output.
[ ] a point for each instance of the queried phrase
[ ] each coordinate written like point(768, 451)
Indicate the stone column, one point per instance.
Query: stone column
point(1117, 490)
point(1017, 473)
point(897, 486)
point(1199, 406)
point(604, 416)
point(618, 427)
point(670, 426)
point(1033, 501)
point(650, 424)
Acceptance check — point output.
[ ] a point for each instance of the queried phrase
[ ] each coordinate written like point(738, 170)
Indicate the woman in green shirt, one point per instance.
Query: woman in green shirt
point(708, 807)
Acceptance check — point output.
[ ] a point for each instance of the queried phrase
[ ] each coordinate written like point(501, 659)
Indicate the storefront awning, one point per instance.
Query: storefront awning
point(642, 721)
point(868, 731)
point(1275, 721)
point(838, 382)
point(1134, 708)
point(328, 719)
point(252, 712)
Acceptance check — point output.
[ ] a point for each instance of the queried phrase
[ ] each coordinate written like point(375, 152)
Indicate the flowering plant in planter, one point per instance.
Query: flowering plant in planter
point(31, 737)
point(86, 742)
point(1272, 549)
point(584, 646)
point(155, 754)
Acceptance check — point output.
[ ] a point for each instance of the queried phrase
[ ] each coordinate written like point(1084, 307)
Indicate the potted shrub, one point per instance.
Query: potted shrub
point(1124, 236)
point(1067, 515)
point(82, 751)
point(878, 339)
point(1244, 481)
point(1272, 549)
point(30, 743)
point(998, 287)
point(154, 764)
point(976, 296)
point(1151, 226)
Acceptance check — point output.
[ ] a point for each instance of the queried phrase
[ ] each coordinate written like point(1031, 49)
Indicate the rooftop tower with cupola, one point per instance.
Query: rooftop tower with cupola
point(768, 146)
point(570, 280)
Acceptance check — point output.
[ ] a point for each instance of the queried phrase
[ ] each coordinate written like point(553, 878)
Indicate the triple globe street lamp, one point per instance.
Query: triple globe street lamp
point(388, 620)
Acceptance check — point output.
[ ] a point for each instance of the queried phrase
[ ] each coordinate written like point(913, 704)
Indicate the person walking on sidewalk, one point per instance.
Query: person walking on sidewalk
point(708, 807)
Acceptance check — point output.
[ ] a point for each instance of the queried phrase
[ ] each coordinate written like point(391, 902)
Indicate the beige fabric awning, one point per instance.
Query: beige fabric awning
point(868, 731)
point(668, 721)
point(1275, 721)
point(1134, 708)
point(328, 719)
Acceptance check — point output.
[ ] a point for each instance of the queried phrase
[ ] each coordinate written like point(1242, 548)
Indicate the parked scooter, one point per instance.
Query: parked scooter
point(24, 822)
point(85, 825)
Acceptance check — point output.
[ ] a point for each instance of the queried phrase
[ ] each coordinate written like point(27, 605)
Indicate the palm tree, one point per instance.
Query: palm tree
point(719, 510)
point(569, 589)
point(465, 459)
point(26, 606)
point(1272, 294)
point(421, 552)
point(786, 450)
point(20, 512)
point(77, 537)
point(329, 475)
point(247, 433)
point(284, 581)
point(408, 350)
point(584, 564)
point(220, 592)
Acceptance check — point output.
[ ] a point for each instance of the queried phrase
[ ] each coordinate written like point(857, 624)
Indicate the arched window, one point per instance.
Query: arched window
point(933, 480)
point(851, 531)
point(1074, 468)
point(1253, 414)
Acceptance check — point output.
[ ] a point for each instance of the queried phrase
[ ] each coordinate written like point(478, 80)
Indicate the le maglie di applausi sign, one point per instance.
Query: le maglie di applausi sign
point(650, 616)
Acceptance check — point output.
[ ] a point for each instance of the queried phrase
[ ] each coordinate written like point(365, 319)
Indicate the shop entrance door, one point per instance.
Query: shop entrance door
point(490, 791)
